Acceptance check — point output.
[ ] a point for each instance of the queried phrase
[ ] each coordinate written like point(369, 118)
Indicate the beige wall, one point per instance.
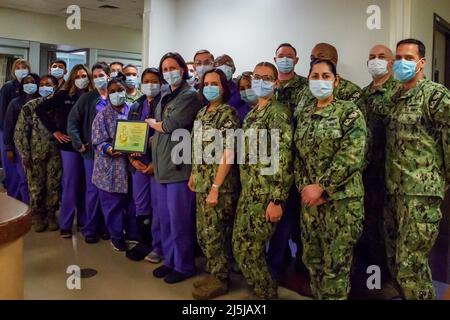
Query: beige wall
point(422, 23)
point(16, 24)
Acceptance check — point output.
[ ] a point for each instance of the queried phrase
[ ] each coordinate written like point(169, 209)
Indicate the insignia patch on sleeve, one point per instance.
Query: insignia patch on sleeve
point(351, 118)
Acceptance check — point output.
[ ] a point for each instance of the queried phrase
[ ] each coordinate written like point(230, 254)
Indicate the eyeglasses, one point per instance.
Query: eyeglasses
point(263, 78)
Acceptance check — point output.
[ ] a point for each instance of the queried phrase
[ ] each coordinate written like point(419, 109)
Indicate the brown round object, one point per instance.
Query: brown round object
point(15, 219)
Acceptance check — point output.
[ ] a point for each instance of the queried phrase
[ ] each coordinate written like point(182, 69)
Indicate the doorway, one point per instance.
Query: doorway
point(441, 51)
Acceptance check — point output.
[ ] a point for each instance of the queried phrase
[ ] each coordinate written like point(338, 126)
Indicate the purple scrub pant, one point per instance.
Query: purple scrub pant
point(177, 225)
point(94, 218)
point(16, 179)
point(73, 191)
point(145, 201)
point(114, 206)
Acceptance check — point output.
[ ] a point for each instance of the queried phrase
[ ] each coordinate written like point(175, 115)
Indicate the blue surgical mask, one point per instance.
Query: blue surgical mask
point(249, 96)
point(30, 88)
point(101, 82)
point(405, 70)
point(45, 91)
point(117, 98)
point(131, 81)
point(21, 73)
point(321, 89)
point(201, 70)
point(173, 78)
point(114, 74)
point(262, 88)
point(227, 70)
point(211, 93)
point(58, 73)
point(151, 89)
point(285, 65)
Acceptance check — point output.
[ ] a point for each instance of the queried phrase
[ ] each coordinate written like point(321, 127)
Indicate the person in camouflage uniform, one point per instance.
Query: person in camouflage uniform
point(279, 253)
point(346, 90)
point(216, 184)
point(376, 102)
point(41, 159)
point(330, 140)
point(260, 204)
point(417, 171)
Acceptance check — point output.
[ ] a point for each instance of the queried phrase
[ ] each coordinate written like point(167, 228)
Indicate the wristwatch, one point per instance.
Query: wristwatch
point(215, 186)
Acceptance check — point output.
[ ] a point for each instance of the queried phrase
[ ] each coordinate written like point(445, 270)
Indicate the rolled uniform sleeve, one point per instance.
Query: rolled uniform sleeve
point(440, 113)
point(22, 133)
point(283, 177)
point(349, 158)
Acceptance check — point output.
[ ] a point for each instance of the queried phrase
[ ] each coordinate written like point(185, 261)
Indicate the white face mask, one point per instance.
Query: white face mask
point(377, 68)
point(81, 83)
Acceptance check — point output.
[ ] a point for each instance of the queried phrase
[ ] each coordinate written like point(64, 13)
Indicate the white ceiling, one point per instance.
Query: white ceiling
point(128, 15)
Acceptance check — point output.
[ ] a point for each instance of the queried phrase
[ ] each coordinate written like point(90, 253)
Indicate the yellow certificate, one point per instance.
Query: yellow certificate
point(131, 136)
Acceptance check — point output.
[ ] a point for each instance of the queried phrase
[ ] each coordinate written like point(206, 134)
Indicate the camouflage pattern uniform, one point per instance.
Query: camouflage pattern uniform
point(214, 224)
point(132, 99)
point(417, 172)
point(345, 91)
point(35, 143)
point(251, 230)
point(288, 94)
point(330, 152)
point(376, 103)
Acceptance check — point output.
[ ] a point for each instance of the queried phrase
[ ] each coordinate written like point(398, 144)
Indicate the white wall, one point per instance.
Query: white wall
point(22, 25)
point(422, 23)
point(162, 30)
point(251, 30)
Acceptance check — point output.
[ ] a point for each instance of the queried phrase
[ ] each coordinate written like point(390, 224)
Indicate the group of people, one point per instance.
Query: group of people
point(373, 162)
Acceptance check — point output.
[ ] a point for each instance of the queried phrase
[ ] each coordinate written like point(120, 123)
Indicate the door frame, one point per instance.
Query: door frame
point(442, 26)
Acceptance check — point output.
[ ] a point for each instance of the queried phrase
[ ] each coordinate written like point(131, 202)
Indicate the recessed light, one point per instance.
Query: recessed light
point(107, 6)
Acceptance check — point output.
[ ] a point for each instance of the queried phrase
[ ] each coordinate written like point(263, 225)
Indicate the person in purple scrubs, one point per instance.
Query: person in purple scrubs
point(110, 173)
point(29, 90)
point(226, 64)
point(79, 128)
point(175, 113)
point(143, 180)
point(10, 90)
point(53, 114)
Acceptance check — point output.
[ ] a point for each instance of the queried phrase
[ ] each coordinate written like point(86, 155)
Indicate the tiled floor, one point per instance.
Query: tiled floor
point(47, 258)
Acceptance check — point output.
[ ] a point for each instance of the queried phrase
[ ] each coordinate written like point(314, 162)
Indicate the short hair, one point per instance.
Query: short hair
point(329, 63)
point(179, 59)
point(203, 52)
point(120, 79)
point(288, 45)
point(35, 78)
point(130, 66)
point(269, 65)
point(101, 65)
point(17, 62)
point(226, 94)
point(49, 76)
point(420, 46)
point(245, 75)
point(116, 62)
point(59, 61)
point(151, 71)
